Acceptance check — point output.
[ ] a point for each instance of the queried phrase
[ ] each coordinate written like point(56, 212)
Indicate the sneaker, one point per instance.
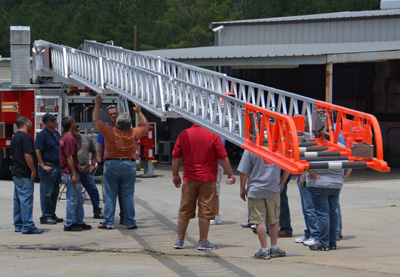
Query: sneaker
point(132, 227)
point(85, 226)
point(73, 228)
point(301, 239)
point(98, 215)
point(284, 234)
point(253, 226)
point(275, 253)
point(179, 244)
point(310, 242)
point(102, 226)
point(17, 230)
point(216, 221)
point(246, 224)
point(332, 247)
point(206, 245)
point(262, 255)
point(339, 237)
point(319, 246)
point(34, 231)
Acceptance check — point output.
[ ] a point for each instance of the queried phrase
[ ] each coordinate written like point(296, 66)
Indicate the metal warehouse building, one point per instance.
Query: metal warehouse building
point(346, 58)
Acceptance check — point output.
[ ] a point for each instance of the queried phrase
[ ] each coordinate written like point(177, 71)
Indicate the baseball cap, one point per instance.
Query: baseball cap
point(48, 117)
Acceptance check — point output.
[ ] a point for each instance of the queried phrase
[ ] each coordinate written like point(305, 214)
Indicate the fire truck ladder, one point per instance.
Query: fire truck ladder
point(47, 104)
point(292, 131)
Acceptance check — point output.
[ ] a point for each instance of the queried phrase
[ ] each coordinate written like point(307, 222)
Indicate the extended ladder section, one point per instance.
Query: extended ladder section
point(47, 104)
point(292, 131)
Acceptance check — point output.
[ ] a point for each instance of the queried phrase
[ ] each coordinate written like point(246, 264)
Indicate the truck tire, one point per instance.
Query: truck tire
point(5, 173)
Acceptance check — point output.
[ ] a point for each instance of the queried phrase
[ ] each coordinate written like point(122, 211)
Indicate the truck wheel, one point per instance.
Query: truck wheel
point(5, 173)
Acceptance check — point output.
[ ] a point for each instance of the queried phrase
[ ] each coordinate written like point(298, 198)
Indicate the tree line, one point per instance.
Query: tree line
point(160, 24)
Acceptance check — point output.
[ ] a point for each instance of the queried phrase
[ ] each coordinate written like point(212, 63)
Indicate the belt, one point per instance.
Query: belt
point(53, 163)
point(120, 159)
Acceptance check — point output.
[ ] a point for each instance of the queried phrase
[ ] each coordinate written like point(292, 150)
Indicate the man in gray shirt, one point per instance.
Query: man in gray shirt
point(264, 183)
point(85, 147)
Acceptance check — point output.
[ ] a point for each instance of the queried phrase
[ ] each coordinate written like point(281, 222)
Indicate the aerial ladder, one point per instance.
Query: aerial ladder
point(292, 131)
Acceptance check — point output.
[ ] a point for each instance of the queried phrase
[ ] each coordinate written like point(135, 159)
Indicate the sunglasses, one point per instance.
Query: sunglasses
point(111, 107)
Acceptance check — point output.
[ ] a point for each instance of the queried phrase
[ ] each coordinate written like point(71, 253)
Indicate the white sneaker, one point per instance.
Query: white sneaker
point(301, 239)
point(310, 242)
point(216, 221)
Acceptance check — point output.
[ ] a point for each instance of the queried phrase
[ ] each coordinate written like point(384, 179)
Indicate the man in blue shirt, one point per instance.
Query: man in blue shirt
point(47, 146)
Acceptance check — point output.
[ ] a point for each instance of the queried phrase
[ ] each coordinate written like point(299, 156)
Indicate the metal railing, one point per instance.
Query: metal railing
point(266, 97)
point(199, 95)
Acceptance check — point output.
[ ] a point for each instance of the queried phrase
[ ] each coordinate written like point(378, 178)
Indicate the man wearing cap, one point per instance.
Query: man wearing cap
point(47, 145)
point(23, 171)
point(119, 165)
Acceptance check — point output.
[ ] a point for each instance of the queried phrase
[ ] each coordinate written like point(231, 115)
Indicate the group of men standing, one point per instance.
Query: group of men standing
point(54, 158)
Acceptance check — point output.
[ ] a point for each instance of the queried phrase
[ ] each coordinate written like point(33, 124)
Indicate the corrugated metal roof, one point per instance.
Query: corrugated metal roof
point(323, 16)
point(274, 50)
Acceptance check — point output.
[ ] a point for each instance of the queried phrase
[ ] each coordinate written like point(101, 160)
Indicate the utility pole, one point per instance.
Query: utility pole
point(134, 37)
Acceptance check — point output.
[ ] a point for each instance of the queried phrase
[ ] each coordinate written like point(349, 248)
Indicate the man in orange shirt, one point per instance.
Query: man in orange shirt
point(119, 165)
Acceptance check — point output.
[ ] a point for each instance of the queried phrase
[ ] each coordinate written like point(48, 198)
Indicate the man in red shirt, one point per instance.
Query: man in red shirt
point(70, 175)
point(200, 151)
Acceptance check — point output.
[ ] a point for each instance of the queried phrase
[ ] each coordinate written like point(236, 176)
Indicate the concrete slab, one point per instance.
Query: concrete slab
point(370, 208)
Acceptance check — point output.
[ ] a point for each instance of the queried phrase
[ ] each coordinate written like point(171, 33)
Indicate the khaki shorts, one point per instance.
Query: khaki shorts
point(203, 193)
point(258, 207)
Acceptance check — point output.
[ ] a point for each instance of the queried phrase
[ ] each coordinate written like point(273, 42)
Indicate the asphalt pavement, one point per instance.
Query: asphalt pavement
point(370, 203)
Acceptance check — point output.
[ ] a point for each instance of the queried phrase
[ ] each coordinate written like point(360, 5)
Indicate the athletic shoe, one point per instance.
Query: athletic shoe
point(206, 245)
point(275, 253)
point(262, 255)
point(310, 242)
point(34, 231)
point(246, 224)
point(179, 244)
point(132, 227)
point(17, 230)
point(301, 239)
point(332, 247)
point(319, 246)
point(339, 237)
point(216, 221)
point(102, 226)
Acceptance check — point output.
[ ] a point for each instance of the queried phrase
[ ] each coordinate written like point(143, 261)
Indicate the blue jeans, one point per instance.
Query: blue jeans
point(49, 189)
point(88, 183)
point(119, 178)
point(325, 202)
point(339, 225)
point(23, 204)
point(284, 216)
point(310, 216)
point(74, 195)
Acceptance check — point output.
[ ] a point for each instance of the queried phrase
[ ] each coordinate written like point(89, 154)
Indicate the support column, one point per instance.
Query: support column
point(328, 82)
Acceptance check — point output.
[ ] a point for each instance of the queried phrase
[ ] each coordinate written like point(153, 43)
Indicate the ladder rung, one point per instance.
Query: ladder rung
point(337, 165)
point(326, 158)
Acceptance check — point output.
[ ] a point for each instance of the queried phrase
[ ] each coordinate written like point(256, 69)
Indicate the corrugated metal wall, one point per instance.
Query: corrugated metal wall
point(350, 30)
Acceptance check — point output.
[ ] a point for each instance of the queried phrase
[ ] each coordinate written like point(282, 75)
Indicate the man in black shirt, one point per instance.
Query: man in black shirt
point(24, 172)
